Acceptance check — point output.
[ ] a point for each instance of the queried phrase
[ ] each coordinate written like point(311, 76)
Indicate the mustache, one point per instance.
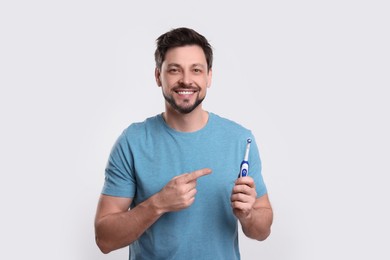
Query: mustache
point(184, 87)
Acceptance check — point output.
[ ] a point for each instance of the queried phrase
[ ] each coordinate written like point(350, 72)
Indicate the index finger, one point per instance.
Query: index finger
point(197, 174)
point(247, 180)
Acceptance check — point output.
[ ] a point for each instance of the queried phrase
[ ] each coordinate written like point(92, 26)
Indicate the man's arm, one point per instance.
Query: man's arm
point(258, 224)
point(116, 226)
point(254, 214)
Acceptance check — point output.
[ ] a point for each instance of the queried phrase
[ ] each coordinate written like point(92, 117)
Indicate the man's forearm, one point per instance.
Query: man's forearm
point(258, 224)
point(118, 230)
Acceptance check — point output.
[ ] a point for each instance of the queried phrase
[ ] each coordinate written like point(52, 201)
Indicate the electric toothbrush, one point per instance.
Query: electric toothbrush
point(244, 168)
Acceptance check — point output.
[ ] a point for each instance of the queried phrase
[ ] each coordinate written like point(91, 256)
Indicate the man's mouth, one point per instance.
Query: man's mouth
point(185, 92)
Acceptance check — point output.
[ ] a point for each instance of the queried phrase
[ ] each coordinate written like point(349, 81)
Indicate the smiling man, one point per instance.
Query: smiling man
point(171, 189)
point(189, 79)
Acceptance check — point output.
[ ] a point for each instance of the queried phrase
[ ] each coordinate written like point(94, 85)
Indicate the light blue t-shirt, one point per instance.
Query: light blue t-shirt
point(149, 154)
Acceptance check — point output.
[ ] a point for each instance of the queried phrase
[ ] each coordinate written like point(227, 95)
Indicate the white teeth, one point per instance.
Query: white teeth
point(185, 92)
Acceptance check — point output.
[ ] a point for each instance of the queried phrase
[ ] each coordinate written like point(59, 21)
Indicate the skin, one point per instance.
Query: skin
point(255, 214)
point(184, 80)
point(184, 68)
point(117, 227)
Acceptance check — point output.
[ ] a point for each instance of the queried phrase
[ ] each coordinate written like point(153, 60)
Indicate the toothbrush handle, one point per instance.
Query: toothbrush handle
point(244, 169)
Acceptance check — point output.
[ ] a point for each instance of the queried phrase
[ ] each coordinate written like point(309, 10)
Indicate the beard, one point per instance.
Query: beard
point(187, 107)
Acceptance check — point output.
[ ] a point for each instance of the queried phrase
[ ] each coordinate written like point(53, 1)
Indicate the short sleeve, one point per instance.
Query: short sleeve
point(119, 174)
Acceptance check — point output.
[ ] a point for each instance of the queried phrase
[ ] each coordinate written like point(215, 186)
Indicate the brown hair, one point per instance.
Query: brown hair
point(181, 37)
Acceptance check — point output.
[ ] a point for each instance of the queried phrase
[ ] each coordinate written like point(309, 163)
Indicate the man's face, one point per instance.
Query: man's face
point(184, 78)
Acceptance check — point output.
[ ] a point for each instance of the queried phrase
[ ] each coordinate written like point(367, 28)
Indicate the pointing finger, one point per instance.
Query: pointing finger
point(197, 174)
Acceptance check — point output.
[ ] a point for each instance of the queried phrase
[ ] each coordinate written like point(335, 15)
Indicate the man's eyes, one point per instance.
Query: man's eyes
point(176, 70)
point(173, 70)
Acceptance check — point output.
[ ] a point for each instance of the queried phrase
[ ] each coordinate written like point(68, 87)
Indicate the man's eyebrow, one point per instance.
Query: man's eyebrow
point(193, 65)
point(198, 65)
point(173, 65)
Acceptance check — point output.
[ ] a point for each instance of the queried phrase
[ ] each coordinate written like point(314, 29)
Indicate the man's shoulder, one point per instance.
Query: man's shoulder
point(140, 127)
point(228, 124)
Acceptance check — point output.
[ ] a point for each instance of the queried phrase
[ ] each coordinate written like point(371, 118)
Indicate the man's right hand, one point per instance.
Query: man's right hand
point(180, 192)
point(116, 226)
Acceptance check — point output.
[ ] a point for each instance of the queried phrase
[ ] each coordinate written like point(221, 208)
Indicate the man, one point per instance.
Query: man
point(171, 189)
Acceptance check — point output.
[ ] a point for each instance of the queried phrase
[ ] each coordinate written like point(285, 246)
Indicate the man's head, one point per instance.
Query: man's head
point(181, 37)
point(183, 69)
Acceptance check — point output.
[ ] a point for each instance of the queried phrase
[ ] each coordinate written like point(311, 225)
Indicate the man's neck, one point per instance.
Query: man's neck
point(190, 122)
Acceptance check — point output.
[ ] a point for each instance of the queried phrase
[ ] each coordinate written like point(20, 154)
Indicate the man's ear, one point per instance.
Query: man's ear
point(209, 77)
point(157, 76)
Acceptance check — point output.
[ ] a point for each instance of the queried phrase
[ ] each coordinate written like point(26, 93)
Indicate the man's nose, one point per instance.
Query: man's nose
point(186, 78)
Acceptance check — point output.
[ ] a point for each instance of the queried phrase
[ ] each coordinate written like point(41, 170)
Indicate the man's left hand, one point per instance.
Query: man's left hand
point(243, 197)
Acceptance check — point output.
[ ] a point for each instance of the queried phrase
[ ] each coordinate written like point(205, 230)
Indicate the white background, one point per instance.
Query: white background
point(310, 78)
